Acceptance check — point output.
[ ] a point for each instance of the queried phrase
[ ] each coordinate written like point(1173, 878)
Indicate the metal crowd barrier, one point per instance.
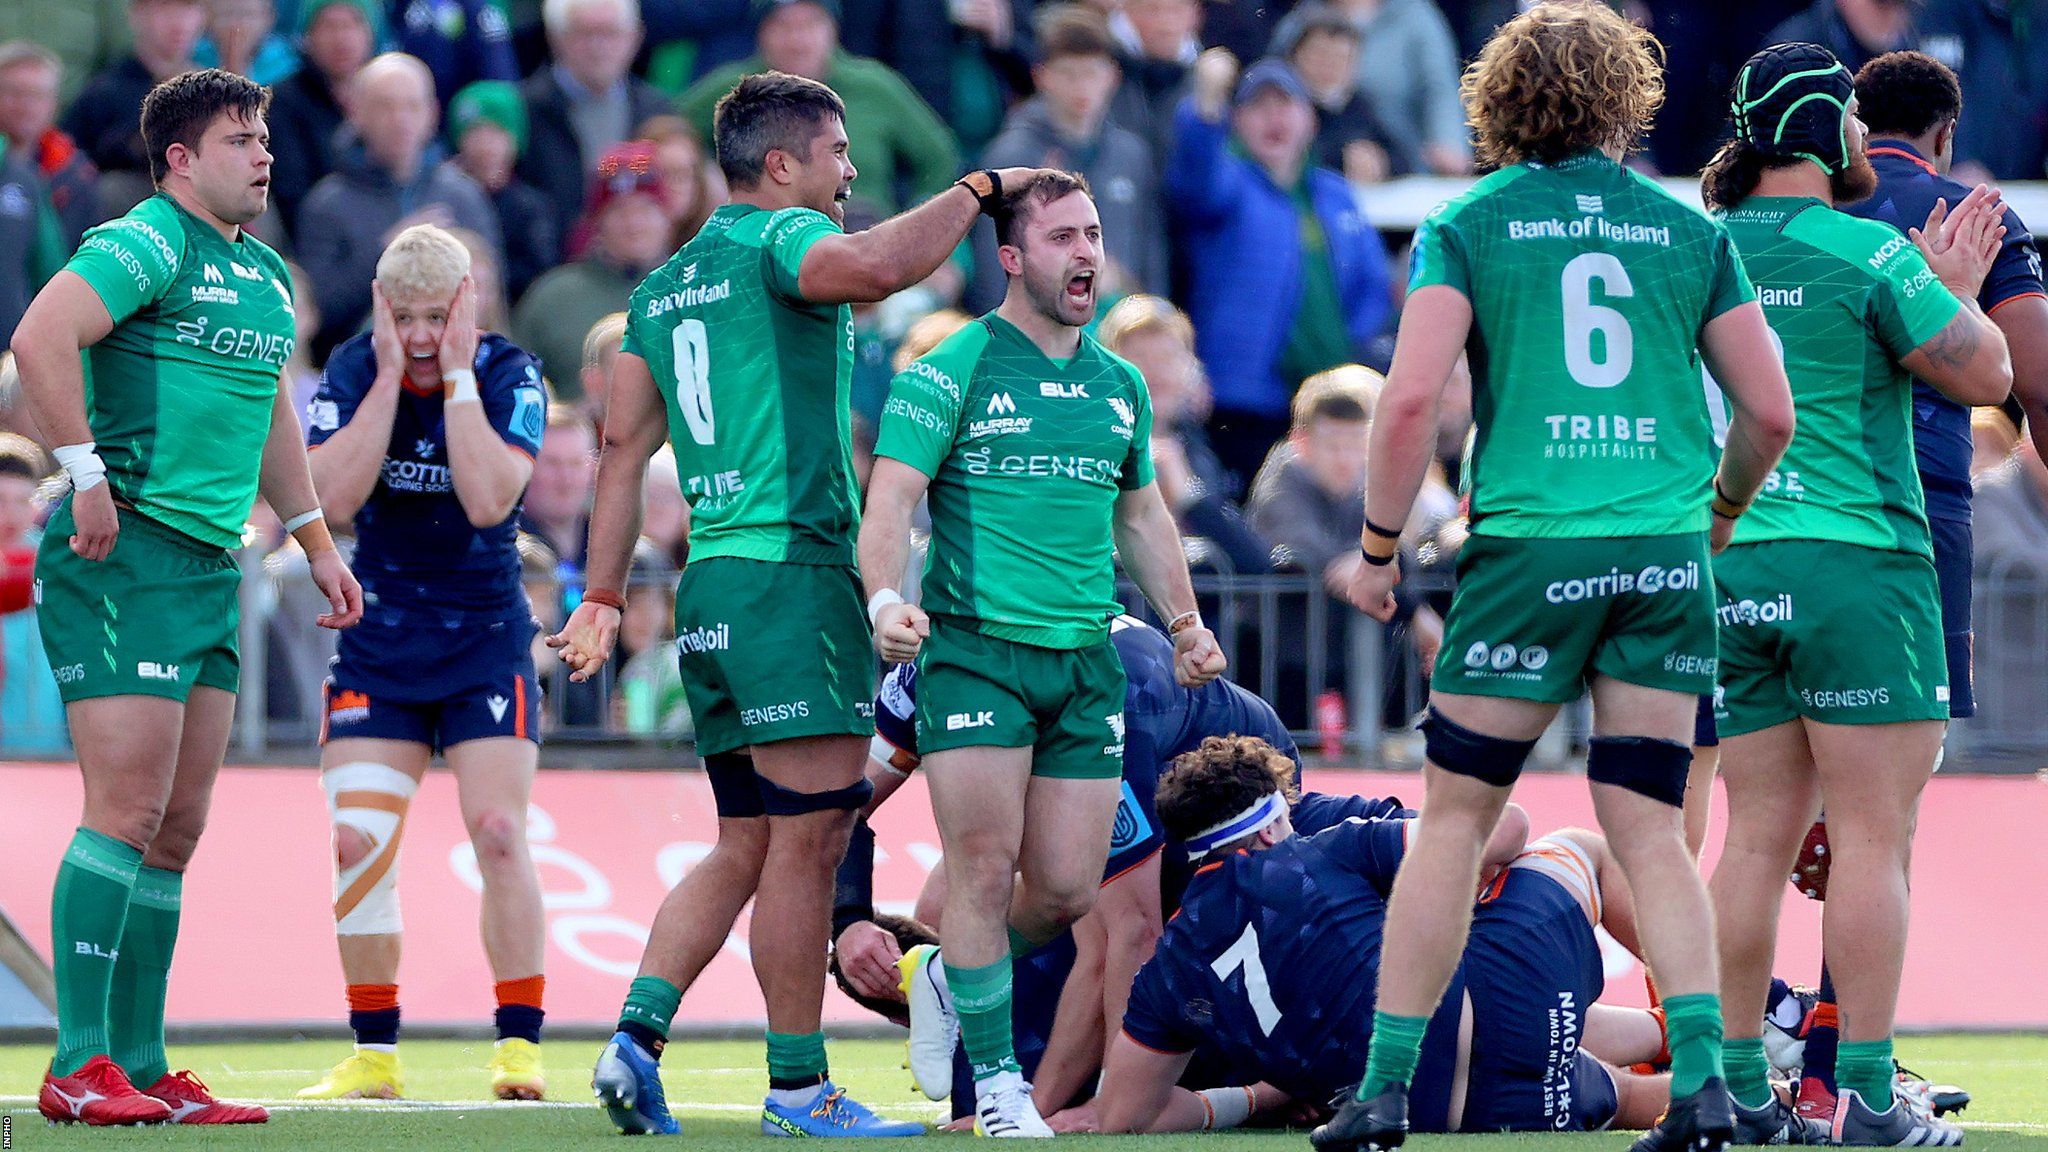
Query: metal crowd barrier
point(1286, 639)
point(2009, 733)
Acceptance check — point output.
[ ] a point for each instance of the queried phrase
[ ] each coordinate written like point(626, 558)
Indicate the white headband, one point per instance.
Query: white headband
point(1263, 812)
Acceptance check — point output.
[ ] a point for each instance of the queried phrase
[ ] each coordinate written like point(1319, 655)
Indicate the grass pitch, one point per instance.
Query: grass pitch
point(715, 1087)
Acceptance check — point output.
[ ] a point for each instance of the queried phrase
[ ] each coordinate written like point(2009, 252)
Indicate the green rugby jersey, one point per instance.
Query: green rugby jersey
point(1590, 286)
point(180, 393)
point(757, 382)
point(1027, 458)
point(1846, 298)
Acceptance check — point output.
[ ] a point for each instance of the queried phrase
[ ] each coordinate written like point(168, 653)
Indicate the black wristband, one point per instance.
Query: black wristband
point(993, 200)
point(1375, 561)
point(1383, 533)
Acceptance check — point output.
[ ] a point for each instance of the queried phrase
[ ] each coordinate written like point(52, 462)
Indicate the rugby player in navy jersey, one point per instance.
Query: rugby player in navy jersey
point(425, 430)
point(1273, 960)
point(1070, 992)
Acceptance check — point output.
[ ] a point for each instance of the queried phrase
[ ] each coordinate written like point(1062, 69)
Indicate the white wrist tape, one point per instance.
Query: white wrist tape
point(462, 388)
point(881, 600)
point(302, 519)
point(1225, 1107)
point(82, 464)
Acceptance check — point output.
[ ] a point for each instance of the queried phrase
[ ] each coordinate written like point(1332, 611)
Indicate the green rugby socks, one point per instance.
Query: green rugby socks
point(981, 998)
point(1749, 1071)
point(142, 975)
point(1693, 1024)
point(88, 911)
point(1396, 1050)
point(1865, 1067)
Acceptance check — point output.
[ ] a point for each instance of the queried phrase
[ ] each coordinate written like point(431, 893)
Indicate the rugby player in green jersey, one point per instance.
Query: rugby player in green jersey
point(739, 351)
point(1584, 296)
point(1033, 443)
point(1834, 676)
point(183, 323)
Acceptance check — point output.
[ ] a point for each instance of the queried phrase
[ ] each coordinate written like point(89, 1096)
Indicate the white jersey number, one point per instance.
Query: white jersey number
point(1257, 989)
point(693, 378)
point(1583, 318)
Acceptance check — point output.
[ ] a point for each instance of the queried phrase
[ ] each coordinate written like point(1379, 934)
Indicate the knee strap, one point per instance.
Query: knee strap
point(1489, 759)
point(780, 801)
point(1645, 766)
point(371, 799)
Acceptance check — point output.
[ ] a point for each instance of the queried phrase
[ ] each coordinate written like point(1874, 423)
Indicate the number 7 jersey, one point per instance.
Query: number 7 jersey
point(1590, 287)
point(756, 382)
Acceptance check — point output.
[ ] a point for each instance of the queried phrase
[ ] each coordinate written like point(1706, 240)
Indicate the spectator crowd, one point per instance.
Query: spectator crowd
point(566, 143)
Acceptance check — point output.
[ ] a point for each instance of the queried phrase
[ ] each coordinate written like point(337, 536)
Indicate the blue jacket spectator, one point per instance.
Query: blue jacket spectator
point(1285, 277)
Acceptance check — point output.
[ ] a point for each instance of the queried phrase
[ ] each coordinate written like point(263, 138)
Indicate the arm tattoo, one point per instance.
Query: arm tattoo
point(1956, 344)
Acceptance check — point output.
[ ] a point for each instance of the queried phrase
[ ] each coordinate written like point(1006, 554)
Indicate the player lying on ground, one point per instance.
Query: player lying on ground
point(1586, 297)
point(424, 432)
point(1069, 994)
point(1033, 443)
point(1833, 674)
point(739, 350)
point(1276, 949)
point(186, 323)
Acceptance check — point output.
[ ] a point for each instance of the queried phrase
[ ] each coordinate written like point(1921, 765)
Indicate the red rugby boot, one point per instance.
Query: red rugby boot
point(98, 1094)
point(191, 1103)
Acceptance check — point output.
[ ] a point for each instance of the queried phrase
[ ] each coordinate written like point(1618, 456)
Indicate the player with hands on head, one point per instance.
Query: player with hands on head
point(184, 321)
point(1586, 298)
point(739, 351)
point(423, 433)
point(1032, 443)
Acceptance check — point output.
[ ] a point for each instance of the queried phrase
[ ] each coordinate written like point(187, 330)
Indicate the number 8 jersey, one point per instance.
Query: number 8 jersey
point(756, 381)
point(1590, 287)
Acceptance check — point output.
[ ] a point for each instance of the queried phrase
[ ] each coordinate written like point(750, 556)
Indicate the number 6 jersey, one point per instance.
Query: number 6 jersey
point(1590, 288)
point(756, 381)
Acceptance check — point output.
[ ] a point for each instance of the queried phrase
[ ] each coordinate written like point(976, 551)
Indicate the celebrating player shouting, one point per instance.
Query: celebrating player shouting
point(1833, 669)
point(186, 321)
point(426, 430)
point(1584, 295)
point(740, 350)
point(1032, 441)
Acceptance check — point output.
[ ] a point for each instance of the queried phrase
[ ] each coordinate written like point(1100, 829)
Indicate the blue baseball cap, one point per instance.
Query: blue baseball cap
point(1272, 72)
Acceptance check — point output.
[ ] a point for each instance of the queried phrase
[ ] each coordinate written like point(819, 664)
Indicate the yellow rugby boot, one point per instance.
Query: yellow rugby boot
point(515, 1070)
point(367, 1074)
